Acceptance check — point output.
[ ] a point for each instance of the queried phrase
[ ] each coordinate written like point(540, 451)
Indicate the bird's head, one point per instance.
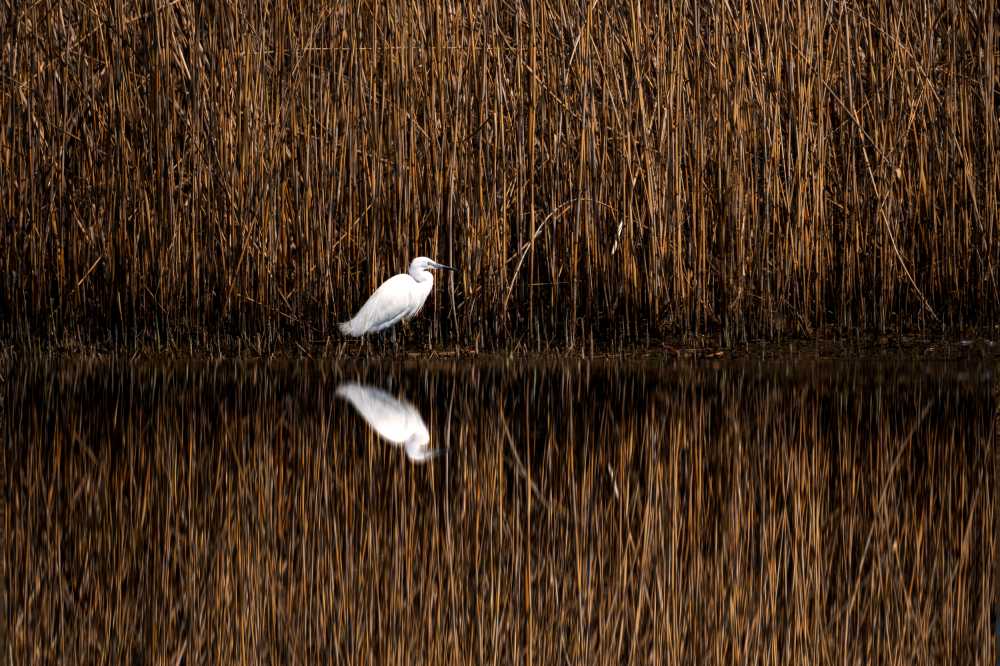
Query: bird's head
point(421, 264)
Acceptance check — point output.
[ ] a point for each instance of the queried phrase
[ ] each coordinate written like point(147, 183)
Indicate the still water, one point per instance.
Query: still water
point(788, 510)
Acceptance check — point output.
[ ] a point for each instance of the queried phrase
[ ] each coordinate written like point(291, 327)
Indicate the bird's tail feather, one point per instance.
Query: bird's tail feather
point(347, 328)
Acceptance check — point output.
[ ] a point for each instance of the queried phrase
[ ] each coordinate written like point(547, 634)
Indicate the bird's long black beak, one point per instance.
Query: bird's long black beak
point(443, 267)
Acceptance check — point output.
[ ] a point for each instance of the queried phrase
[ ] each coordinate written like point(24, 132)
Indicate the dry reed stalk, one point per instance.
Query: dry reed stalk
point(176, 173)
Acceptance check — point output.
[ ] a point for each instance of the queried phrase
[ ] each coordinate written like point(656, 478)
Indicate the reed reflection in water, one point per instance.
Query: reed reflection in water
point(587, 512)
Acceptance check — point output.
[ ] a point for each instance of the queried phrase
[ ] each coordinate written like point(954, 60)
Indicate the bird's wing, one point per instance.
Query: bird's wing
point(418, 296)
point(390, 302)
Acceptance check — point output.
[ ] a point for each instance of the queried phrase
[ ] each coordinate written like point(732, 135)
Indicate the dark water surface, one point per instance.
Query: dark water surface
point(614, 511)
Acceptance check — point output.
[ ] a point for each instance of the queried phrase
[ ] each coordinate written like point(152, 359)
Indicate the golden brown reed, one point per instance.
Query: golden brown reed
point(177, 171)
point(231, 513)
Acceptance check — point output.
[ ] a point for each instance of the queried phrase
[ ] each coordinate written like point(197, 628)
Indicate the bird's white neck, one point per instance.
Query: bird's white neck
point(420, 275)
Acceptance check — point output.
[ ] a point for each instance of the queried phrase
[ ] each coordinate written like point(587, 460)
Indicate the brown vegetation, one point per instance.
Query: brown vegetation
point(221, 513)
point(176, 171)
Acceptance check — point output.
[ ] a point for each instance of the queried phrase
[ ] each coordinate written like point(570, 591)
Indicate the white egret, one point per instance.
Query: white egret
point(400, 297)
point(395, 420)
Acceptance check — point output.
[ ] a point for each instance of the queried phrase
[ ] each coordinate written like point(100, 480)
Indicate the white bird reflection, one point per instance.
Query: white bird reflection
point(395, 420)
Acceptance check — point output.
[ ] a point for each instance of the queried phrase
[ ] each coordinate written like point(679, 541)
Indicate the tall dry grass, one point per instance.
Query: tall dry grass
point(583, 515)
point(177, 171)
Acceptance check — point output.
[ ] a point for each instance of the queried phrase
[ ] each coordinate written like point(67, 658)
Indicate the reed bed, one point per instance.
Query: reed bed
point(582, 514)
point(178, 172)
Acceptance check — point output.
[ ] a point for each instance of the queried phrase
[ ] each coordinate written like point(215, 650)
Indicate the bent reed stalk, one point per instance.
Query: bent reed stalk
point(753, 169)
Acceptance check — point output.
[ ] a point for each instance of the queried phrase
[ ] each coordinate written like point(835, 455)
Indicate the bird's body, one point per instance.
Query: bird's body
point(395, 420)
point(398, 298)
